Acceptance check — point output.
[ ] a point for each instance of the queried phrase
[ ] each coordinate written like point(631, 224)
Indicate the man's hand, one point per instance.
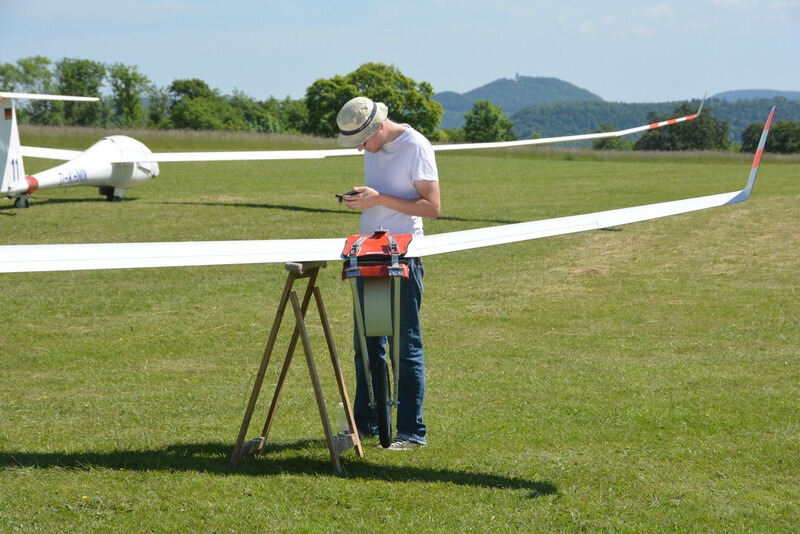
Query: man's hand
point(426, 205)
point(362, 197)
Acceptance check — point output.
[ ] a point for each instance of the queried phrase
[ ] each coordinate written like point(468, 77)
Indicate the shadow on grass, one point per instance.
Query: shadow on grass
point(341, 211)
point(275, 460)
point(285, 207)
point(46, 201)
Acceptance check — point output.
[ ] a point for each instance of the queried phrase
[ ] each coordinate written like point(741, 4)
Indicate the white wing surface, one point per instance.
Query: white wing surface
point(510, 233)
point(32, 96)
point(49, 153)
point(29, 258)
point(245, 155)
point(317, 154)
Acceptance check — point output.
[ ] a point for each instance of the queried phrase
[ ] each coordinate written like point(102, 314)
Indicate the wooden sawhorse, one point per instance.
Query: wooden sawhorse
point(337, 444)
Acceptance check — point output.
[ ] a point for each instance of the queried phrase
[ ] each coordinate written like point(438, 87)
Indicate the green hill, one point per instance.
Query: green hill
point(551, 107)
point(750, 94)
point(510, 94)
point(742, 113)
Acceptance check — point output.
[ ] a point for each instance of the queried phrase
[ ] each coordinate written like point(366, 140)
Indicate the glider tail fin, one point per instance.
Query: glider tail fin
point(13, 180)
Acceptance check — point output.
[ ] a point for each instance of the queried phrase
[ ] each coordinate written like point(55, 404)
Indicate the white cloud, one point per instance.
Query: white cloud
point(660, 11)
point(785, 4)
point(587, 27)
point(641, 31)
point(126, 10)
point(734, 3)
point(610, 20)
point(638, 23)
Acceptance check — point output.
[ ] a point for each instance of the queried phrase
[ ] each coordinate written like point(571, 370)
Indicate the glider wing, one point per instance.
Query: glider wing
point(567, 138)
point(49, 153)
point(253, 155)
point(29, 258)
point(33, 96)
point(317, 154)
point(246, 155)
point(33, 258)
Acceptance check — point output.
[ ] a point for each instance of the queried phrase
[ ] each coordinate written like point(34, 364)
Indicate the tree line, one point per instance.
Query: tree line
point(706, 132)
point(134, 101)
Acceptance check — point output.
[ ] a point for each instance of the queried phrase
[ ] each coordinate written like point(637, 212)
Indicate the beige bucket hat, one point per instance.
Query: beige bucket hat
point(359, 119)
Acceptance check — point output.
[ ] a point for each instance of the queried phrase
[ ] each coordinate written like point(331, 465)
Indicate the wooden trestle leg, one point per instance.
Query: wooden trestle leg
point(337, 444)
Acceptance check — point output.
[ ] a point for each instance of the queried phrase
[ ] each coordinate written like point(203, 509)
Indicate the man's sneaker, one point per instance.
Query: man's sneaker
point(404, 445)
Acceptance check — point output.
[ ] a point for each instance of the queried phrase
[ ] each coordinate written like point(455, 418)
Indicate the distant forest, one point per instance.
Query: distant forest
point(562, 118)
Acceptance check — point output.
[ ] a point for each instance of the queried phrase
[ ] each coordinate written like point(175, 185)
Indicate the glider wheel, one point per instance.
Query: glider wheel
point(109, 193)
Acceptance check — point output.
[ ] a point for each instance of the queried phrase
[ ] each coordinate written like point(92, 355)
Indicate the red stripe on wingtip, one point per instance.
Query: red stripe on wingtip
point(760, 151)
point(769, 119)
point(654, 125)
point(757, 158)
point(33, 185)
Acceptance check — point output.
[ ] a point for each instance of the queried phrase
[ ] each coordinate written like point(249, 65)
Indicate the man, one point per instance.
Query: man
point(401, 187)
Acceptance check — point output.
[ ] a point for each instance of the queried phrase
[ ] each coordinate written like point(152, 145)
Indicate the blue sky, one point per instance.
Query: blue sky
point(622, 50)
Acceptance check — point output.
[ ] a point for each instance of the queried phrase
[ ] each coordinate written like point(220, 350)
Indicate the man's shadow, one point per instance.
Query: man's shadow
point(251, 205)
point(213, 458)
point(340, 211)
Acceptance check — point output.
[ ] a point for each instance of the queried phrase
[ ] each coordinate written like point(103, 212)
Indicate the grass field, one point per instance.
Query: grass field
point(644, 378)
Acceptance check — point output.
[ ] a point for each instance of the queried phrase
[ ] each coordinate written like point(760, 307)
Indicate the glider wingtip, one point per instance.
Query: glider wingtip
point(744, 194)
point(771, 114)
point(702, 102)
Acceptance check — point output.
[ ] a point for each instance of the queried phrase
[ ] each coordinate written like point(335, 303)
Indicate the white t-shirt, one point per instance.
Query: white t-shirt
point(393, 170)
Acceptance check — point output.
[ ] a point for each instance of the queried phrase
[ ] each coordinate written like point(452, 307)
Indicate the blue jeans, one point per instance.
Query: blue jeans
point(411, 387)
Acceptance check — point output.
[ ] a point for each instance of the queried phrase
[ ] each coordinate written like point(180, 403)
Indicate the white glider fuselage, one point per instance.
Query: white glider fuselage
point(96, 167)
point(112, 164)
